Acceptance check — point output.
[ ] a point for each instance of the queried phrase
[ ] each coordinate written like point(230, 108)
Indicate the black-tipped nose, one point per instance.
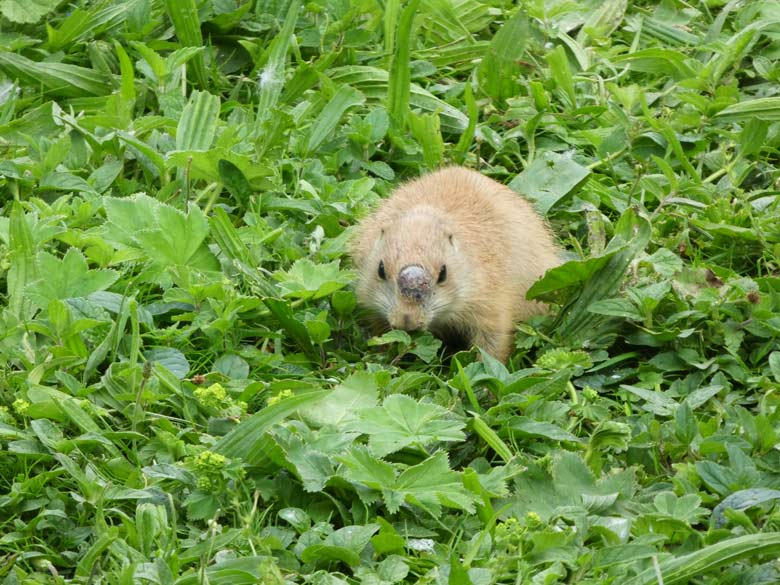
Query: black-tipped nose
point(414, 282)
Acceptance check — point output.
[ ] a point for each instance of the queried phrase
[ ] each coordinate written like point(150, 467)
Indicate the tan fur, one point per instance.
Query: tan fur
point(492, 241)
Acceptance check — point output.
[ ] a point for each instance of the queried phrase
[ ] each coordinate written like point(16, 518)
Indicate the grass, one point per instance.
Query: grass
point(187, 391)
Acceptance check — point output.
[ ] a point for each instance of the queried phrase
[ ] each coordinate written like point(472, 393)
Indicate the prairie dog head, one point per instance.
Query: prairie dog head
point(410, 268)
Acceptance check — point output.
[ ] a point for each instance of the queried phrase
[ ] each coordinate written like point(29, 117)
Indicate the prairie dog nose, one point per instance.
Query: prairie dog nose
point(414, 282)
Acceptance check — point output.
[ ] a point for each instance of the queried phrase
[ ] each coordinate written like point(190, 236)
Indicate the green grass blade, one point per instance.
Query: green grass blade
point(271, 79)
point(294, 328)
point(186, 23)
point(762, 108)
point(345, 98)
point(242, 441)
point(426, 130)
point(57, 78)
point(398, 87)
point(227, 237)
point(23, 269)
point(491, 437)
point(198, 122)
point(374, 84)
point(464, 143)
point(390, 23)
point(605, 19)
point(81, 25)
point(560, 71)
point(725, 553)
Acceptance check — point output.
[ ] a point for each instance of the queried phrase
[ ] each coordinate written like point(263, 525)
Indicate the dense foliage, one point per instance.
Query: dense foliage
point(187, 390)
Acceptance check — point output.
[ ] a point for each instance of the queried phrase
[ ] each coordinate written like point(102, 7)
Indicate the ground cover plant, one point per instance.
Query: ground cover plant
point(187, 390)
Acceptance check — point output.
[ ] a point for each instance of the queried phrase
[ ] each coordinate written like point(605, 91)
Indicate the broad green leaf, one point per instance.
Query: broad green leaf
point(426, 130)
point(59, 181)
point(774, 365)
point(604, 20)
point(68, 277)
point(549, 179)
point(173, 360)
point(560, 71)
point(232, 366)
point(343, 405)
point(665, 262)
point(753, 137)
point(576, 323)
point(235, 181)
point(308, 280)
point(742, 500)
point(522, 425)
point(84, 24)
point(402, 421)
point(763, 108)
point(499, 68)
point(685, 508)
point(656, 402)
point(167, 236)
point(432, 484)
point(27, 12)
point(312, 456)
point(23, 268)
point(345, 544)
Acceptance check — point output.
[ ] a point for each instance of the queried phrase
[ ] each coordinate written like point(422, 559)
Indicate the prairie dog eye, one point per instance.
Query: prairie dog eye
point(381, 271)
point(442, 274)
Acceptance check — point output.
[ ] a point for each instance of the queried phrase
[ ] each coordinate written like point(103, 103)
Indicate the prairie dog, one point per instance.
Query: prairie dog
point(453, 252)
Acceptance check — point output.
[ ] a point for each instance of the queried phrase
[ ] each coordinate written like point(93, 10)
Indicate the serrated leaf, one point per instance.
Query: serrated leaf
point(402, 421)
point(28, 11)
point(359, 391)
point(432, 484)
point(68, 277)
point(168, 237)
point(305, 279)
